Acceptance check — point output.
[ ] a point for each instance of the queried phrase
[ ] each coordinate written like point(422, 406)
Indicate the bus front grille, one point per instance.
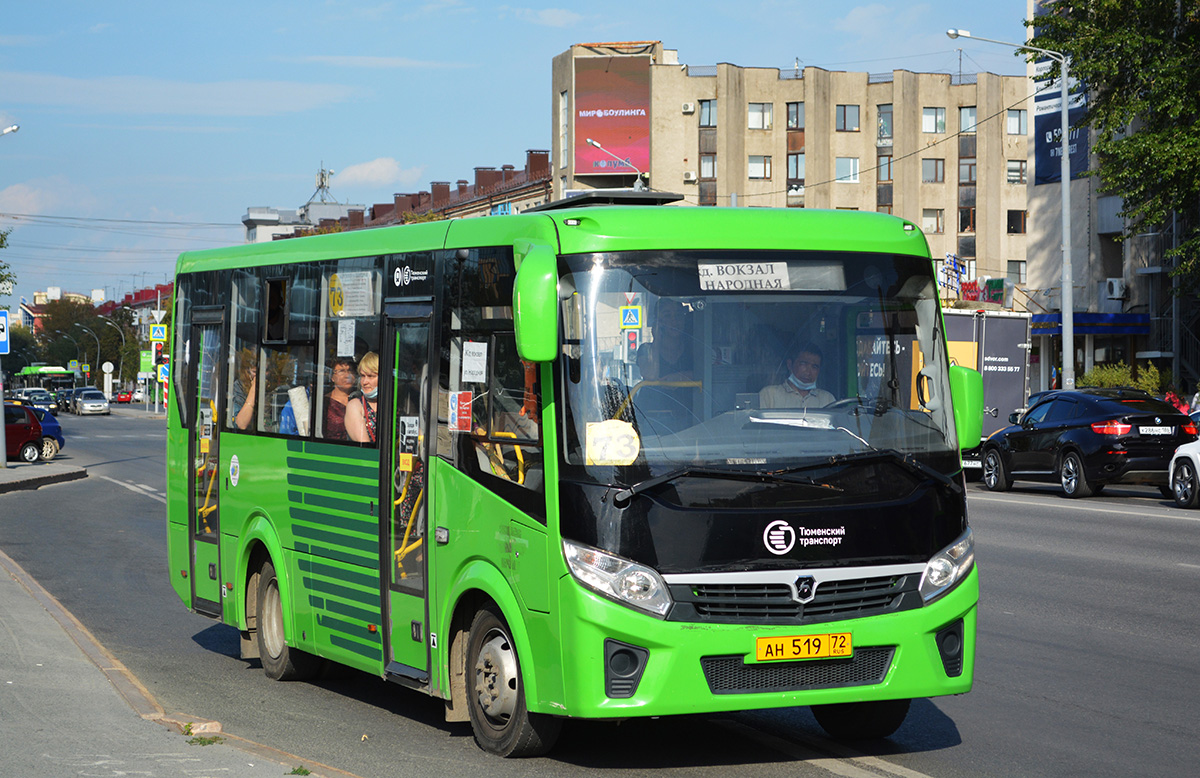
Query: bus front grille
point(732, 675)
point(774, 603)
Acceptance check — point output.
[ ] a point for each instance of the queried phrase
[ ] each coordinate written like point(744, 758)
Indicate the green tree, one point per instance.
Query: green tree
point(6, 273)
point(1138, 59)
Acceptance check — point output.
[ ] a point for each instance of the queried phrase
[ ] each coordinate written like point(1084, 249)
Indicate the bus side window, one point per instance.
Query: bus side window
point(288, 384)
point(244, 385)
point(516, 416)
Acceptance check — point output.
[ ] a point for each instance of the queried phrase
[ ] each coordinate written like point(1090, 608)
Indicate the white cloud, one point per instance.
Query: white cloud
point(46, 195)
point(381, 172)
point(545, 17)
point(142, 95)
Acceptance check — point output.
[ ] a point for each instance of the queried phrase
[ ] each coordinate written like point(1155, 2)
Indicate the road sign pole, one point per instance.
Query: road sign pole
point(3, 423)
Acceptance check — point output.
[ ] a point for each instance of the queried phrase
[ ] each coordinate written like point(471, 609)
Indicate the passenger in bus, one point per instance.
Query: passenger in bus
point(345, 381)
point(799, 389)
point(245, 389)
point(361, 412)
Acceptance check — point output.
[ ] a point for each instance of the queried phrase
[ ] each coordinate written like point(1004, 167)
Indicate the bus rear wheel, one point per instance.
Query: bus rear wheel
point(861, 720)
point(496, 697)
point(280, 661)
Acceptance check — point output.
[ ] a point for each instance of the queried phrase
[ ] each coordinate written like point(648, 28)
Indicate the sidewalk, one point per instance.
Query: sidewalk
point(68, 707)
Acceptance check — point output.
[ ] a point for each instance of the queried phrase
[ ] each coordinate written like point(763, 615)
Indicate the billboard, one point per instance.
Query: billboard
point(612, 107)
point(1047, 121)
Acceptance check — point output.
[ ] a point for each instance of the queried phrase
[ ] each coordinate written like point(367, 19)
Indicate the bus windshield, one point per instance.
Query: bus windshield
point(750, 361)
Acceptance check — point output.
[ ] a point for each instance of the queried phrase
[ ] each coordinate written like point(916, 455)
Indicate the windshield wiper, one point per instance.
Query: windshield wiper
point(765, 476)
point(908, 461)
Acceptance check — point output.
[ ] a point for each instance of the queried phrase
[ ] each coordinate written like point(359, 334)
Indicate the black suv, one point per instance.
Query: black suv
point(1086, 439)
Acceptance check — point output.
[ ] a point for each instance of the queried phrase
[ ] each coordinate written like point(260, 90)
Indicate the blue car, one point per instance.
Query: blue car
point(52, 434)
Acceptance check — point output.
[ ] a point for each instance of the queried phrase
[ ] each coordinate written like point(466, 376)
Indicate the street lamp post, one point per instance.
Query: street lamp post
point(1068, 292)
point(121, 358)
point(638, 186)
point(94, 335)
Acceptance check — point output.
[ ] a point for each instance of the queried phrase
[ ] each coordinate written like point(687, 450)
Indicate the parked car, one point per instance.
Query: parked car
point(139, 395)
point(22, 433)
point(1185, 484)
point(91, 401)
point(1087, 439)
point(52, 434)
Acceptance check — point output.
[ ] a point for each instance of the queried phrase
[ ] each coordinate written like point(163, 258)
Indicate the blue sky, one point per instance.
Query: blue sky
point(147, 129)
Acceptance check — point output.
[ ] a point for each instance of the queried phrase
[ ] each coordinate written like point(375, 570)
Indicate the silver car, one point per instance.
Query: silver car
point(92, 401)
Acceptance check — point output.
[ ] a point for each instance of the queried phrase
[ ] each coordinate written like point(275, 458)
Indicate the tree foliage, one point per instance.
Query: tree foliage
point(1139, 60)
point(6, 272)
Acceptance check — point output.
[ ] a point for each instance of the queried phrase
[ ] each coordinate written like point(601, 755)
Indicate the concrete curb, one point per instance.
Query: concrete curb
point(16, 477)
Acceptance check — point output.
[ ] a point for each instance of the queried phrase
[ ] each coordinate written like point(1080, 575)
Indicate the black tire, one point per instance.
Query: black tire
point(1167, 492)
point(1073, 478)
point(49, 449)
point(861, 720)
point(30, 452)
point(280, 661)
point(1185, 489)
point(995, 477)
point(496, 696)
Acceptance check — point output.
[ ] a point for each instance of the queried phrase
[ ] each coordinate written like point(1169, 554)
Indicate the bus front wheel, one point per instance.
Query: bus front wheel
point(280, 661)
point(861, 720)
point(496, 697)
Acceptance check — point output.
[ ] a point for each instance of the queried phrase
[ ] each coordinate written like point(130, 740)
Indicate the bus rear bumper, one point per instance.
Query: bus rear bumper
point(617, 662)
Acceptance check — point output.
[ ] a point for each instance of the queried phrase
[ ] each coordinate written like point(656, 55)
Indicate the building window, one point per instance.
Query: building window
point(1017, 122)
point(708, 166)
point(885, 167)
point(708, 113)
point(1016, 171)
point(966, 170)
point(760, 116)
point(564, 155)
point(846, 170)
point(885, 122)
point(847, 118)
point(933, 221)
point(933, 120)
point(933, 171)
point(796, 169)
point(966, 118)
point(795, 116)
point(966, 219)
point(759, 166)
point(1016, 271)
point(1016, 223)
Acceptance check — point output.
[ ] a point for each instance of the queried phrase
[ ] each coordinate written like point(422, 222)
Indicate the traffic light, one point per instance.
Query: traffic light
point(632, 338)
point(159, 354)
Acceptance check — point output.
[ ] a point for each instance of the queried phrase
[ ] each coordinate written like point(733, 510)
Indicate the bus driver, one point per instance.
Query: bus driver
point(799, 389)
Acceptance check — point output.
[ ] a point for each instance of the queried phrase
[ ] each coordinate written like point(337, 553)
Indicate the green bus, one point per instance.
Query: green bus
point(602, 460)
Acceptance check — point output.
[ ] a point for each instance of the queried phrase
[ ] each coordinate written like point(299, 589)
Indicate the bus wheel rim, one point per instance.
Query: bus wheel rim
point(496, 678)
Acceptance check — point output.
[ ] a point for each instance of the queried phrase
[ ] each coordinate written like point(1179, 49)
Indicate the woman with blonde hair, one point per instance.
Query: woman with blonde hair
point(361, 412)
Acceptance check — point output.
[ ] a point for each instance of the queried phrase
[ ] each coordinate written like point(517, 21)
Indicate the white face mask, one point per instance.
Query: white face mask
point(801, 385)
point(371, 394)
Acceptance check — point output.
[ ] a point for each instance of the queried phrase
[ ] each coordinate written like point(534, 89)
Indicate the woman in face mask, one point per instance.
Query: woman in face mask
point(361, 412)
point(799, 390)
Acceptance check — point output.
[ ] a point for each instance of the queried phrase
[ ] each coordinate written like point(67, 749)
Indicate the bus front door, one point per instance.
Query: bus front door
point(406, 497)
point(204, 533)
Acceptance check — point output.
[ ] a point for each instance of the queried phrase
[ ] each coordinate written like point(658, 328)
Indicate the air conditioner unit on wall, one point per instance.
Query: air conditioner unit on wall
point(1115, 289)
point(689, 176)
point(689, 107)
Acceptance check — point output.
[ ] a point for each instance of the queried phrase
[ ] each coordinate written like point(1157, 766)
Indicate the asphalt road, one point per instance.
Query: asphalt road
point(1087, 661)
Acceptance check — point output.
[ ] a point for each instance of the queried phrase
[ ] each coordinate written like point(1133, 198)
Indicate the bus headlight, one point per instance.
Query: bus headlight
point(617, 578)
point(948, 567)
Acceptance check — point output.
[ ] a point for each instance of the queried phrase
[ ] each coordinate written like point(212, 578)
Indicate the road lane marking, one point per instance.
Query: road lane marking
point(1084, 507)
point(1185, 564)
point(828, 756)
point(134, 488)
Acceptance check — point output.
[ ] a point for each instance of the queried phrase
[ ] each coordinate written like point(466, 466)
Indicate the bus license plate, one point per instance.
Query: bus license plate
point(1155, 430)
point(829, 646)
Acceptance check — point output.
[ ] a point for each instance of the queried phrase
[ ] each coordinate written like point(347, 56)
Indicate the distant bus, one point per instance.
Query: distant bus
point(593, 486)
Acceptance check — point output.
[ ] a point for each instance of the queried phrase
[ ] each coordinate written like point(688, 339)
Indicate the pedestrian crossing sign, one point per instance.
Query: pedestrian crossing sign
point(158, 333)
point(631, 317)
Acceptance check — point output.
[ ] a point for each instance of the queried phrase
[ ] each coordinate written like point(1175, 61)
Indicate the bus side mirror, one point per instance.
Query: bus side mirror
point(966, 387)
point(535, 305)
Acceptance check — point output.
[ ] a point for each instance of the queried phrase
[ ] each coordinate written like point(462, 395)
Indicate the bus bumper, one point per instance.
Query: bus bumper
point(704, 668)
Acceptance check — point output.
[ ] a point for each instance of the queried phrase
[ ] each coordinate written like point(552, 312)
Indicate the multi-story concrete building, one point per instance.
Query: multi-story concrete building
point(945, 152)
